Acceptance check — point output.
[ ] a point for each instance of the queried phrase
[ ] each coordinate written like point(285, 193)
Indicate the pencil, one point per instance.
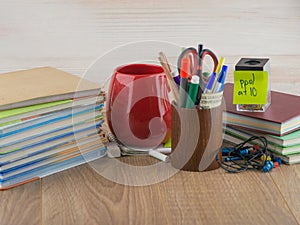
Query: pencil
point(164, 63)
point(164, 57)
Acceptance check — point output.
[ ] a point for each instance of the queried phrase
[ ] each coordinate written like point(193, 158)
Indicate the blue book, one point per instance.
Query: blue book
point(47, 119)
point(48, 144)
point(47, 128)
point(50, 168)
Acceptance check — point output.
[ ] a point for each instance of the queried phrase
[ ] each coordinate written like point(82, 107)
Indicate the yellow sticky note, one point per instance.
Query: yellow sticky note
point(250, 87)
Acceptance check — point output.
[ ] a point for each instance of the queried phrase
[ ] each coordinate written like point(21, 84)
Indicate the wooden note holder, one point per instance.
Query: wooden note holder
point(196, 138)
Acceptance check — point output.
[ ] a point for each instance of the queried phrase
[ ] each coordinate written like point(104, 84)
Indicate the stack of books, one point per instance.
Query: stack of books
point(50, 120)
point(280, 124)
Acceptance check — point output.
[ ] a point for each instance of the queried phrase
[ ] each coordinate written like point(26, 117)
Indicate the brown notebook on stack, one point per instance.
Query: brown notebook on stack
point(42, 85)
point(282, 116)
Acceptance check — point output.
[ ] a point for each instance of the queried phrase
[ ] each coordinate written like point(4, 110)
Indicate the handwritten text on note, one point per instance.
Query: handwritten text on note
point(250, 87)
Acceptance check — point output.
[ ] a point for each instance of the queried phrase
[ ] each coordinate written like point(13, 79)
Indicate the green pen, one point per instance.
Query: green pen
point(193, 91)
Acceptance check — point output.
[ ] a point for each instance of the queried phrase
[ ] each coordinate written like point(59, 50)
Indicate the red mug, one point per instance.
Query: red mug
point(138, 107)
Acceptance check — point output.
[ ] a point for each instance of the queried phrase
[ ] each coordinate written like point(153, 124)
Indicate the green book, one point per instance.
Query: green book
point(11, 116)
point(17, 111)
point(237, 135)
point(289, 159)
point(286, 140)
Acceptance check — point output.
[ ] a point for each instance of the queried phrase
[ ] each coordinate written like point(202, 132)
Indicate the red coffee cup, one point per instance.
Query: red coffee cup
point(138, 107)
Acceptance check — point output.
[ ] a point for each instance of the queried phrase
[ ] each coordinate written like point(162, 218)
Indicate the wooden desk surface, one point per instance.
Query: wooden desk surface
point(71, 34)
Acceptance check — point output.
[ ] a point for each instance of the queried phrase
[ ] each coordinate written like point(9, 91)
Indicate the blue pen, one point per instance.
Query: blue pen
point(221, 79)
point(210, 84)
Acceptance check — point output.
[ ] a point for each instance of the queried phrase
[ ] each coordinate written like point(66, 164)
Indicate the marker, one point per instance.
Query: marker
point(184, 74)
point(176, 77)
point(221, 78)
point(193, 91)
point(210, 83)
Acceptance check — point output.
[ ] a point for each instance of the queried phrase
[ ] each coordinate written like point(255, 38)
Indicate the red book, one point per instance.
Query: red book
point(281, 117)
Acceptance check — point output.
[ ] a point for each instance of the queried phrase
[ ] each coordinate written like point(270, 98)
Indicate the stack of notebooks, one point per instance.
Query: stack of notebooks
point(280, 124)
point(50, 120)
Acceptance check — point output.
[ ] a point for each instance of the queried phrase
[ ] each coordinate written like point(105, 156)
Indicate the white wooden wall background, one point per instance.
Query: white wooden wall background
point(71, 34)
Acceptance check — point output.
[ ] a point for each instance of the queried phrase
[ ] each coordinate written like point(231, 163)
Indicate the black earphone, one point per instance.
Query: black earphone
point(245, 156)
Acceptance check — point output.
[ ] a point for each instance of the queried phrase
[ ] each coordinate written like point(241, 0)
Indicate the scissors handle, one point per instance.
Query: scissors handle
point(197, 58)
point(203, 83)
point(192, 54)
point(210, 53)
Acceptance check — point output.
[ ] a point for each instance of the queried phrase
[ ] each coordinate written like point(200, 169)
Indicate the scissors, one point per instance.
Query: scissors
point(197, 61)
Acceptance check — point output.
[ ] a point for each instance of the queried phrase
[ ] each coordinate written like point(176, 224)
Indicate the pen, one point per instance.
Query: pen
point(219, 67)
point(184, 74)
point(210, 84)
point(199, 72)
point(223, 81)
point(220, 80)
point(218, 70)
point(193, 90)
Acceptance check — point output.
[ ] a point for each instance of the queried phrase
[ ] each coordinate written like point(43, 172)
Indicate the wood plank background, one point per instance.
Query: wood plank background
point(72, 34)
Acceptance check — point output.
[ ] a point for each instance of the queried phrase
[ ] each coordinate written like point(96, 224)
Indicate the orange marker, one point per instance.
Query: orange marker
point(184, 81)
